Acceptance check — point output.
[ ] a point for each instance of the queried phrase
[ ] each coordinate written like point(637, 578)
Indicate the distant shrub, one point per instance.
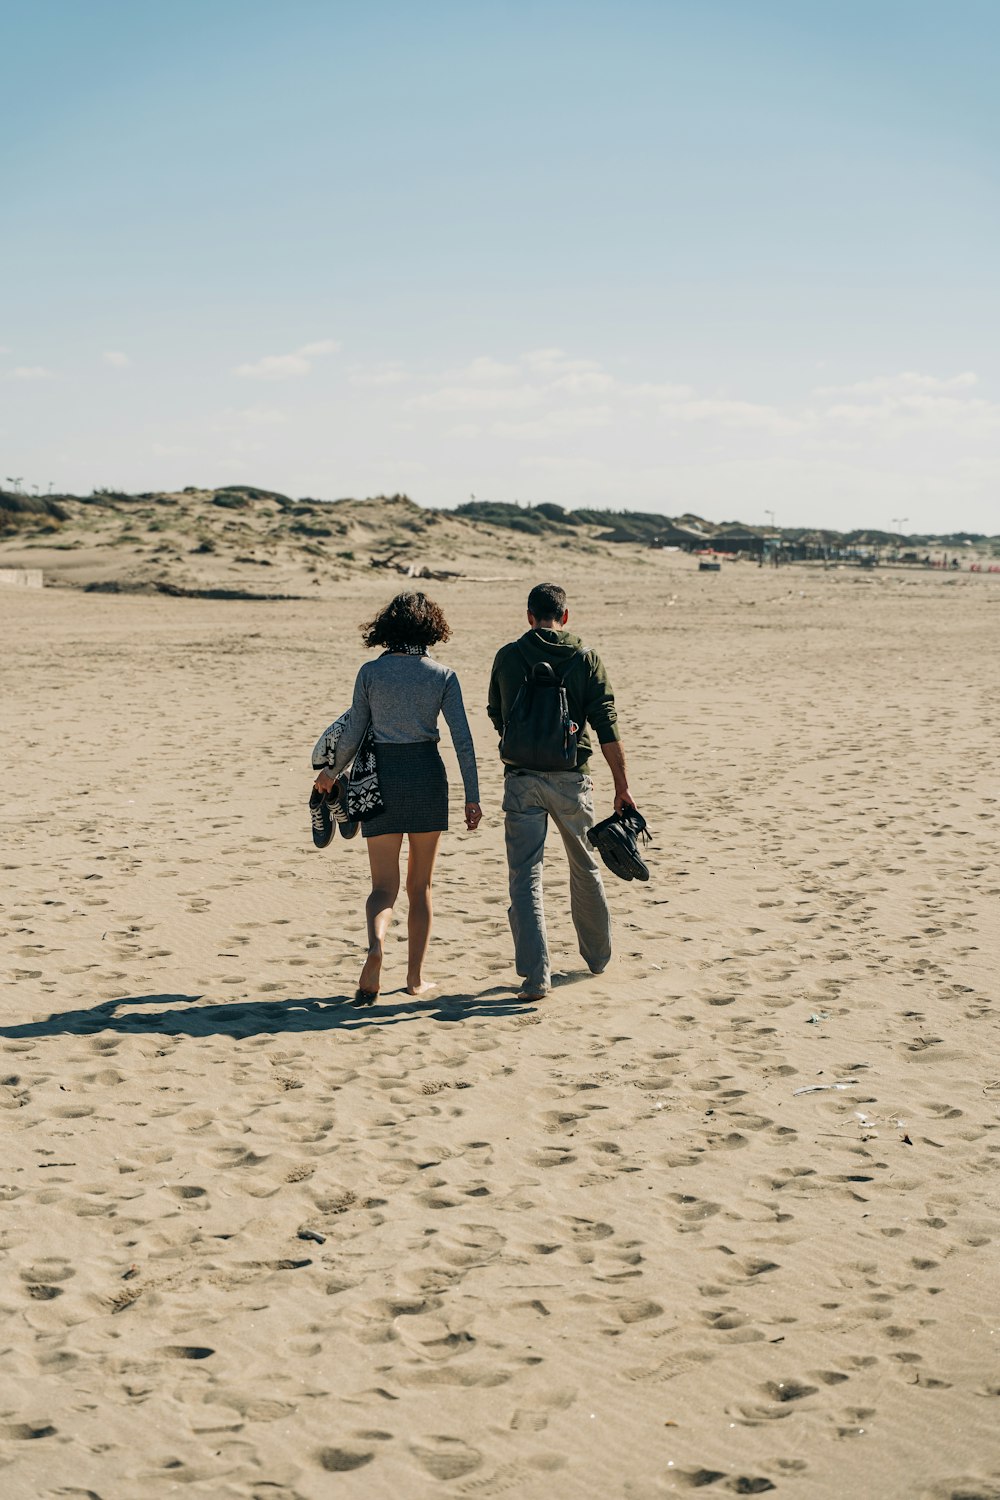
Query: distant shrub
point(106, 494)
point(11, 521)
point(31, 505)
point(536, 520)
point(207, 544)
point(252, 493)
point(347, 556)
point(304, 528)
point(556, 513)
point(231, 502)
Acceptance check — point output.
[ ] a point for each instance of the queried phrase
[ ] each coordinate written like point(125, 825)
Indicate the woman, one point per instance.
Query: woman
point(400, 694)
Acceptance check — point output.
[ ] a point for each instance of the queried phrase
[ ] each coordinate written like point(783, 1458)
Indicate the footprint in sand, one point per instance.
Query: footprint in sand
point(343, 1460)
point(446, 1457)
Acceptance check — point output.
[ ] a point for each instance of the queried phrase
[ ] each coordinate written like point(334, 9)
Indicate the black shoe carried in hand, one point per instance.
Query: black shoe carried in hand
point(337, 803)
point(616, 841)
point(321, 819)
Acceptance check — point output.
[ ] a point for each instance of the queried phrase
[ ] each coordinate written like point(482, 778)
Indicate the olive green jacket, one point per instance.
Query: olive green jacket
point(588, 691)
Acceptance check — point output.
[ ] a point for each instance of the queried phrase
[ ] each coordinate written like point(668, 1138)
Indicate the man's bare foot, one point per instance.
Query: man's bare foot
point(420, 987)
point(371, 974)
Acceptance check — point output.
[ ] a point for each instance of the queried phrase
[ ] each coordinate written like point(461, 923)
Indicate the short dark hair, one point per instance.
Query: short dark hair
point(547, 601)
point(407, 620)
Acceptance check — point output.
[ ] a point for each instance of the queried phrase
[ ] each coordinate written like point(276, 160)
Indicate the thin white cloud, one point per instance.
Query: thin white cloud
point(549, 383)
point(924, 411)
point(584, 382)
point(549, 391)
point(117, 358)
point(323, 346)
point(455, 398)
point(486, 368)
point(556, 423)
point(389, 374)
point(276, 367)
point(587, 433)
point(889, 406)
point(730, 414)
point(239, 418)
point(906, 383)
point(32, 372)
point(557, 362)
point(658, 392)
point(287, 366)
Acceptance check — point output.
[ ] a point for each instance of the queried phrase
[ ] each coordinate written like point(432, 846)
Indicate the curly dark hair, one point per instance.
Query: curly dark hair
point(407, 620)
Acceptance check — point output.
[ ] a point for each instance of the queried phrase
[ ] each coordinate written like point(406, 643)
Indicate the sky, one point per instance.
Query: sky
point(730, 257)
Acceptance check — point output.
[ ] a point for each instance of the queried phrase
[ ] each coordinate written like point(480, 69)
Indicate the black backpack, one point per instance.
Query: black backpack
point(538, 733)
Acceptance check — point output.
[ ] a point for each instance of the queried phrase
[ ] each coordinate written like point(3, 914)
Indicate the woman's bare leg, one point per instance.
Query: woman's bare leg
point(419, 872)
point(383, 856)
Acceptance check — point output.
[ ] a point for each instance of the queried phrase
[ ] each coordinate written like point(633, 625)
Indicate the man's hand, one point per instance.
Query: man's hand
point(473, 816)
point(324, 782)
point(624, 799)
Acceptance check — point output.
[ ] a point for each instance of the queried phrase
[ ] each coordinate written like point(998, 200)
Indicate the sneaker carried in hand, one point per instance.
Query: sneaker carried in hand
point(321, 819)
point(337, 803)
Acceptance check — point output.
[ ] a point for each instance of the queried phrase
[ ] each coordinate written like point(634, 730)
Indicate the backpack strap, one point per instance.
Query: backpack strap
point(560, 676)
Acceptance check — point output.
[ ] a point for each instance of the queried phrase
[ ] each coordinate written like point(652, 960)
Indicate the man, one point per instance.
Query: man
point(531, 797)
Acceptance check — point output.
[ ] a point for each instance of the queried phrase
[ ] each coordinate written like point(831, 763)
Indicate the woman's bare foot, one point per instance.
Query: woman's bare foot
point(371, 974)
point(420, 986)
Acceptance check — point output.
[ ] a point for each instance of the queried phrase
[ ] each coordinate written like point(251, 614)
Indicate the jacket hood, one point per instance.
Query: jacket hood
point(550, 645)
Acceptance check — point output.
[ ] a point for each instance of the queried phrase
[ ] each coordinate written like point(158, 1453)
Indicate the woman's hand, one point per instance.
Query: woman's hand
point(473, 816)
point(324, 782)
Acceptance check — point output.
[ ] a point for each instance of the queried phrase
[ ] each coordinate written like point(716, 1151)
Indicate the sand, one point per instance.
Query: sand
point(630, 1241)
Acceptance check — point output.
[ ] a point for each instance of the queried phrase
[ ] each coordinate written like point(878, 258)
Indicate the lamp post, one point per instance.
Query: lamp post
point(899, 522)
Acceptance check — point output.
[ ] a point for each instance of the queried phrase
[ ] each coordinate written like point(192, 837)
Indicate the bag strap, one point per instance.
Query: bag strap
point(560, 676)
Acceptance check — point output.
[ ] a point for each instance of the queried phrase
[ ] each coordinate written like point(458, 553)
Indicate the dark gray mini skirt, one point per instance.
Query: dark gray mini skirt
point(414, 788)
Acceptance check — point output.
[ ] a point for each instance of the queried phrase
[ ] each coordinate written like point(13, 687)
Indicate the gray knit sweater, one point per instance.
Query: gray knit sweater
point(401, 698)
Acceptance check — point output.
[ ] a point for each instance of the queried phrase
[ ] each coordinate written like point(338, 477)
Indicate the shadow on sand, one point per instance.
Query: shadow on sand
point(264, 1017)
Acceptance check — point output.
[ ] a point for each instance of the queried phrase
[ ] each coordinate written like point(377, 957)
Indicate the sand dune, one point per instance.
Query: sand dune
point(723, 1219)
